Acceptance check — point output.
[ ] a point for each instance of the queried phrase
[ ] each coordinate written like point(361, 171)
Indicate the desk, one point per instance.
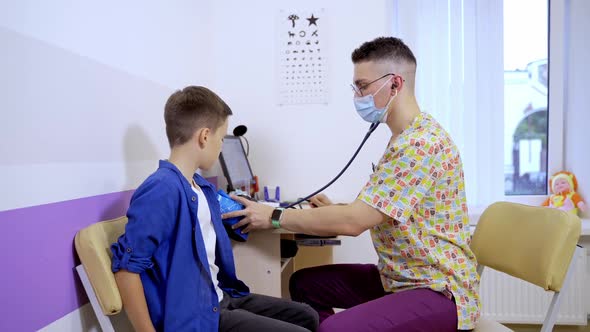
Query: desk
point(258, 261)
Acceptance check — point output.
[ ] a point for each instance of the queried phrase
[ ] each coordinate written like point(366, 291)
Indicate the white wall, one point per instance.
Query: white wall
point(164, 43)
point(577, 112)
point(83, 88)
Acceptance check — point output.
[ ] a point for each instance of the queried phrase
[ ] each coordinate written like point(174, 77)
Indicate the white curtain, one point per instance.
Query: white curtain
point(459, 49)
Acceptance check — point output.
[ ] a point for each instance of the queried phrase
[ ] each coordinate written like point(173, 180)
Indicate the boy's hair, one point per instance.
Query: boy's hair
point(192, 108)
point(384, 48)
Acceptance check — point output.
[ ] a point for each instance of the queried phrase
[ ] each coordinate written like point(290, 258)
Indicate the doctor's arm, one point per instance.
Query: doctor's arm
point(348, 219)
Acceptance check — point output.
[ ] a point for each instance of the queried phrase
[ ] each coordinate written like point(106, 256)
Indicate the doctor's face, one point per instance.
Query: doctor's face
point(371, 78)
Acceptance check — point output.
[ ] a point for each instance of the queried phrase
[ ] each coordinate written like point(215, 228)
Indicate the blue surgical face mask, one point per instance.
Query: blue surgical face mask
point(365, 107)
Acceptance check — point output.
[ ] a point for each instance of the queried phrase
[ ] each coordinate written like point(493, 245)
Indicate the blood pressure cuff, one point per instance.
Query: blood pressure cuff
point(227, 204)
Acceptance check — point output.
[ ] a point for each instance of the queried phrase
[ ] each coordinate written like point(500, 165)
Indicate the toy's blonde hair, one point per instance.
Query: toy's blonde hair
point(568, 176)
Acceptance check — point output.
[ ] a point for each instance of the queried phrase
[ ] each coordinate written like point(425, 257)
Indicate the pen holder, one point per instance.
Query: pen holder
point(272, 194)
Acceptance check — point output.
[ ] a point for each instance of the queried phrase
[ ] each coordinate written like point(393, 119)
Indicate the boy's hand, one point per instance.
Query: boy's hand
point(256, 215)
point(320, 200)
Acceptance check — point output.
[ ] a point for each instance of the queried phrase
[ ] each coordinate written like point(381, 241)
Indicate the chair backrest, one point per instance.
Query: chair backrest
point(93, 247)
point(535, 244)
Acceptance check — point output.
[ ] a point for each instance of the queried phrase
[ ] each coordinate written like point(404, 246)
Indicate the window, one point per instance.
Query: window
point(526, 42)
point(485, 69)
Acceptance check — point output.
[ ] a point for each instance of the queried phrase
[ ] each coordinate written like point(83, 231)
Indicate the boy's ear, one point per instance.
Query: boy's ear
point(203, 136)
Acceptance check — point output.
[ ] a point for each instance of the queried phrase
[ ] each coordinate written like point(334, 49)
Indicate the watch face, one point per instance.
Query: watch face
point(276, 214)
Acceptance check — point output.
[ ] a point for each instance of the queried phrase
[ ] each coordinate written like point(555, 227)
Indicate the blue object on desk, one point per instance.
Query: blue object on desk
point(266, 197)
point(277, 194)
point(227, 204)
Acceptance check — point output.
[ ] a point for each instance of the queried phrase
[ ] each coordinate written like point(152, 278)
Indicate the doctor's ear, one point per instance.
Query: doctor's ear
point(397, 83)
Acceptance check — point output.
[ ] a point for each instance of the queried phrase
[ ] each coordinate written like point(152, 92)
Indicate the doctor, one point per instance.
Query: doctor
point(414, 206)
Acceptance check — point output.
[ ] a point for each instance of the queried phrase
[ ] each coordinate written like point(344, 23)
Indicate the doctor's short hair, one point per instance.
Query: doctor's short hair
point(190, 109)
point(384, 48)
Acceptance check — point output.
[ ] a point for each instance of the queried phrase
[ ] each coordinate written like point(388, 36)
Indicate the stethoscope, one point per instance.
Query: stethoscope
point(306, 198)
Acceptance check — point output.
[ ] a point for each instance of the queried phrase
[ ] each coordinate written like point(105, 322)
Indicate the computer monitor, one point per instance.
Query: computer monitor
point(235, 165)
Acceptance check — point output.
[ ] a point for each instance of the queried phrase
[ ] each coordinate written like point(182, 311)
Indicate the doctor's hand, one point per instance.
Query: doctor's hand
point(320, 200)
point(256, 215)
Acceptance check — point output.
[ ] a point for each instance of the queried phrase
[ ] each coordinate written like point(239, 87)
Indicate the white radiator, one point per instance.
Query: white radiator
point(506, 299)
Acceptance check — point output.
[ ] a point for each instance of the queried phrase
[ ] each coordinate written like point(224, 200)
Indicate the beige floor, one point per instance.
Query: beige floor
point(536, 328)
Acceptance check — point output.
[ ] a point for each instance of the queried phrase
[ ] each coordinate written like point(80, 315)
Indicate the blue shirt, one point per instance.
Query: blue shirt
point(163, 243)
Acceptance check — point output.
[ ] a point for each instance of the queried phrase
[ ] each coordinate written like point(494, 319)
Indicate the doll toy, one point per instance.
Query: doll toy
point(563, 186)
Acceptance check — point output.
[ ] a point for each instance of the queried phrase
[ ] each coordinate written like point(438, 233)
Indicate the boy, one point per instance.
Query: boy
point(174, 264)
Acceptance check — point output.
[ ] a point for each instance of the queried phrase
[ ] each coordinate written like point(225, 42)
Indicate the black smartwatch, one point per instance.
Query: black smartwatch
point(276, 216)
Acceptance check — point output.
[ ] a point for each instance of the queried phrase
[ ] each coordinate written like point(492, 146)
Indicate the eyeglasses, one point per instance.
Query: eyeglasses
point(358, 90)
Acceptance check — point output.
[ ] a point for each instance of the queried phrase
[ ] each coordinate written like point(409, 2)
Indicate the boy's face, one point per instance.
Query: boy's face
point(213, 147)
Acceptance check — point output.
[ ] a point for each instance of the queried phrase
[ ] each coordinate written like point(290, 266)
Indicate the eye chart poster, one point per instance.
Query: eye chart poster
point(301, 55)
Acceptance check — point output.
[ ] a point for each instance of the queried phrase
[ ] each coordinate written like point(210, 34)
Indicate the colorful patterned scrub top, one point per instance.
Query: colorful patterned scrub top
point(419, 184)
